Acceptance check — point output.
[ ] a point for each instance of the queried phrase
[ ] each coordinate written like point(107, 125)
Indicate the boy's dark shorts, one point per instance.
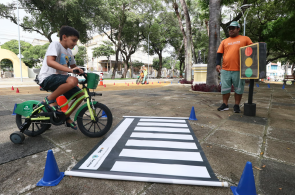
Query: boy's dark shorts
point(54, 81)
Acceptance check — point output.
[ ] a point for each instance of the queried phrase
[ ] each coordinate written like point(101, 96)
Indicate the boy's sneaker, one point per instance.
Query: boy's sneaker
point(223, 107)
point(237, 108)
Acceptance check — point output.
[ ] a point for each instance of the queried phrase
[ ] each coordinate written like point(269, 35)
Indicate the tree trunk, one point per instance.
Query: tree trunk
point(116, 63)
point(194, 52)
point(160, 65)
point(180, 66)
point(188, 49)
point(214, 34)
point(126, 66)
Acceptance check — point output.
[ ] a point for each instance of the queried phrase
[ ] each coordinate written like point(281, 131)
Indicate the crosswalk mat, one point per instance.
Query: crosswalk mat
point(149, 149)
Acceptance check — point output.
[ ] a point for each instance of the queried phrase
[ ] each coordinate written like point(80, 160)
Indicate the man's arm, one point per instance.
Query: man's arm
point(218, 61)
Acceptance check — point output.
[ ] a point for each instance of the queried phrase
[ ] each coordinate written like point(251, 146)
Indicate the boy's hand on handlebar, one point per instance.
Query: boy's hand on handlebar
point(77, 70)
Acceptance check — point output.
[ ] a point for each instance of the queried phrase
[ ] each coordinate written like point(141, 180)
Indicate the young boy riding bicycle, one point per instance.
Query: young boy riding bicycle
point(54, 72)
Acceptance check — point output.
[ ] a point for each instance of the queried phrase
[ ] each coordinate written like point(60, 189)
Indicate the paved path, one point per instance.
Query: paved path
point(229, 140)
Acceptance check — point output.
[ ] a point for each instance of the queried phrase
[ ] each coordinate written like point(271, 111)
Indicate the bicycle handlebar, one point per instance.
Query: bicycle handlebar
point(82, 74)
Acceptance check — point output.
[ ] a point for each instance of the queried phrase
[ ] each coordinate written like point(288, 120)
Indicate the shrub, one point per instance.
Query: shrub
point(184, 81)
point(208, 88)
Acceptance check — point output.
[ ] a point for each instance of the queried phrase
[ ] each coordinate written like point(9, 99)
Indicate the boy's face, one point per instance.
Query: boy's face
point(70, 41)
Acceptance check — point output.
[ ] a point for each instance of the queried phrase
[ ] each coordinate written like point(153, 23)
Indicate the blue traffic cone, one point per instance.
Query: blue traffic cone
point(257, 85)
point(103, 115)
point(52, 176)
point(171, 82)
point(283, 87)
point(158, 81)
point(246, 184)
point(192, 117)
point(178, 81)
point(268, 85)
point(13, 113)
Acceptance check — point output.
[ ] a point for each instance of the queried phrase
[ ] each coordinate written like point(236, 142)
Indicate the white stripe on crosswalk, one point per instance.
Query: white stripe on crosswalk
point(162, 154)
point(162, 169)
point(162, 136)
point(162, 144)
point(163, 129)
point(162, 124)
point(162, 120)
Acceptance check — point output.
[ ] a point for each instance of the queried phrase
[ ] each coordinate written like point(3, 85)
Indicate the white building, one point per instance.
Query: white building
point(276, 71)
point(39, 42)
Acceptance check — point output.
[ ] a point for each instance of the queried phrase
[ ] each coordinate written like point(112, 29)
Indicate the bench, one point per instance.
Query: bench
point(289, 77)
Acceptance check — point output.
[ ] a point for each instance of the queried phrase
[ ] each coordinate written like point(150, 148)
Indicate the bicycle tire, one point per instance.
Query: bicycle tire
point(85, 123)
point(31, 130)
point(137, 81)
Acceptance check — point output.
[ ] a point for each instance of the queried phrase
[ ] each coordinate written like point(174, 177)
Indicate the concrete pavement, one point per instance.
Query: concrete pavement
point(228, 139)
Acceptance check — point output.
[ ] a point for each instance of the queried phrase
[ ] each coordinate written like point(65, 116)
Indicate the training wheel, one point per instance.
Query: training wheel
point(17, 137)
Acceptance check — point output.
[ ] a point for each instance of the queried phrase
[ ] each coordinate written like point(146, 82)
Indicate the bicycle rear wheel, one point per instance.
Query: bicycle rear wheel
point(101, 125)
point(36, 127)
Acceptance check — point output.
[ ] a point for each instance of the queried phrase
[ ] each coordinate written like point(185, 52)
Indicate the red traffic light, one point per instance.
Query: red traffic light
point(248, 51)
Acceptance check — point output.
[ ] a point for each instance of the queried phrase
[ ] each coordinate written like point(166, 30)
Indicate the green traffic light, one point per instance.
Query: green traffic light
point(248, 72)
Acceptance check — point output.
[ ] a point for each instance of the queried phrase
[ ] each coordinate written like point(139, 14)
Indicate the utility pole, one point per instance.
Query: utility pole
point(20, 56)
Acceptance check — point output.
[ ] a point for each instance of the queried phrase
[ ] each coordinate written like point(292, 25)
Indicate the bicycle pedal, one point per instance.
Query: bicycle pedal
point(25, 125)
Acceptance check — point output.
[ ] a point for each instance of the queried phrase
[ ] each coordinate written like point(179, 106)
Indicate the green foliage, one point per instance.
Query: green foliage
point(137, 63)
point(170, 62)
point(156, 64)
point(273, 22)
point(81, 56)
point(6, 65)
point(46, 17)
point(13, 46)
point(104, 49)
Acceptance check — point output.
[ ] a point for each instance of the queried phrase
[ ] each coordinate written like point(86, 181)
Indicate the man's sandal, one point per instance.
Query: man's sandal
point(51, 108)
point(72, 125)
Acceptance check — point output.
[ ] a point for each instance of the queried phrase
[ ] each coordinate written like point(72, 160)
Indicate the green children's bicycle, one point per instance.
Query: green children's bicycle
point(93, 118)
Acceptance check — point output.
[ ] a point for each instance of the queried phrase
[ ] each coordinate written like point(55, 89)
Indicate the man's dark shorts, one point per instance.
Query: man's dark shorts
point(54, 81)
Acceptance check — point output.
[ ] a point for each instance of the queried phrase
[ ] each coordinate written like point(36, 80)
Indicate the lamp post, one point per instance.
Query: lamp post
point(243, 8)
point(20, 60)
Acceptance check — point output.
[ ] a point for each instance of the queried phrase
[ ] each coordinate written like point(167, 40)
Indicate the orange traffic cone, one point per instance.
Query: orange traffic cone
point(12, 88)
point(114, 83)
point(100, 81)
point(17, 91)
point(105, 86)
point(61, 100)
point(128, 84)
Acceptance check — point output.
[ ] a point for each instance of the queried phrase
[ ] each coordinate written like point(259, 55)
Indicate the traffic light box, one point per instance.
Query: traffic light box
point(253, 61)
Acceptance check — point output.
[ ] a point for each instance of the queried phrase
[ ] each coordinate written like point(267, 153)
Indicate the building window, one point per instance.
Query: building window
point(274, 67)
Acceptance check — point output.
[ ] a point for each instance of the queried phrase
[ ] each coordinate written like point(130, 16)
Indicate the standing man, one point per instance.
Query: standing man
point(230, 71)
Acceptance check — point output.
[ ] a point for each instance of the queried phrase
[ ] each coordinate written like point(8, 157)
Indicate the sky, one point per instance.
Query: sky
point(9, 30)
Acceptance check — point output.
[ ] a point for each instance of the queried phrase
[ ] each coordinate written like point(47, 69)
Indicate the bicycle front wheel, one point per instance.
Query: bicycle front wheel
point(101, 125)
